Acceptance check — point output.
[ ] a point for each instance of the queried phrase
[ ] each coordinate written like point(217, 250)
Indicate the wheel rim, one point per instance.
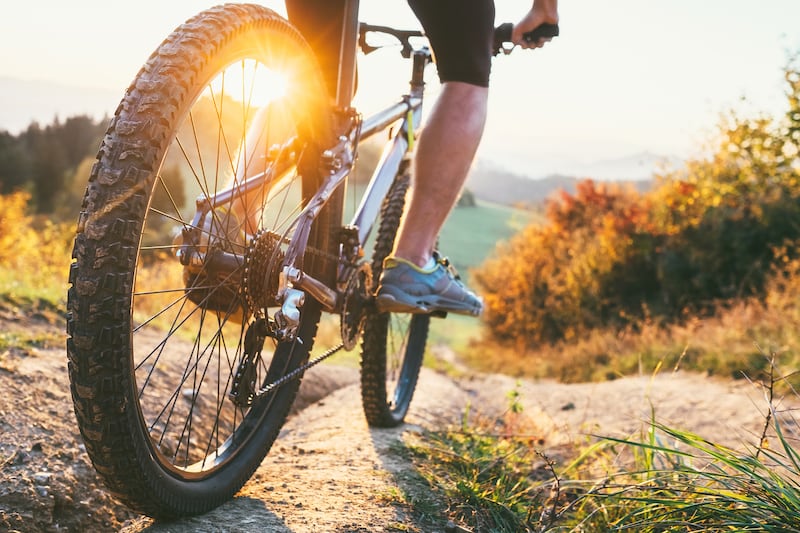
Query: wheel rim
point(187, 344)
point(403, 358)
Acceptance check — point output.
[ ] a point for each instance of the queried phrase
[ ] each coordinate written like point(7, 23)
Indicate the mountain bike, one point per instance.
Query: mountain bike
point(217, 245)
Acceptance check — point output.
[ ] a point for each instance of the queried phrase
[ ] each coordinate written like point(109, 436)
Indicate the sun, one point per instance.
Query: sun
point(251, 83)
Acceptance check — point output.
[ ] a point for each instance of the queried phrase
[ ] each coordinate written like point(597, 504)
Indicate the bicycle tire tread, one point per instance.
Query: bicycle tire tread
point(373, 354)
point(105, 251)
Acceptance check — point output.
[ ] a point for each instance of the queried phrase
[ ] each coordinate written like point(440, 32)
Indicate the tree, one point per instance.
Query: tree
point(43, 160)
point(14, 164)
point(49, 165)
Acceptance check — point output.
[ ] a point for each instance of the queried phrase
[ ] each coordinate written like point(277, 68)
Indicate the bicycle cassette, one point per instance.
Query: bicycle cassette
point(261, 271)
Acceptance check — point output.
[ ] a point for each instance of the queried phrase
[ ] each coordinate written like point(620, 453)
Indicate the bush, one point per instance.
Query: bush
point(34, 254)
point(704, 237)
point(552, 281)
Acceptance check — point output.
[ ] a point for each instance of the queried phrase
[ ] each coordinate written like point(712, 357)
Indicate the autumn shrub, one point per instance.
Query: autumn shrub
point(34, 254)
point(702, 239)
point(552, 281)
point(723, 216)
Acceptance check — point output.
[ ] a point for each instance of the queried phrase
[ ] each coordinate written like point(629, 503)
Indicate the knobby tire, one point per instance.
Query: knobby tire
point(150, 458)
point(393, 344)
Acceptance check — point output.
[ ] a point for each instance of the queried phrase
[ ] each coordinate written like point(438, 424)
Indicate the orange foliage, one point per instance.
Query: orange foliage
point(550, 281)
point(608, 257)
point(34, 252)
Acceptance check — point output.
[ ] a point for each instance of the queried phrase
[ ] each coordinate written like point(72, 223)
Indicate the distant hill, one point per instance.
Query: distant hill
point(27, 101)
point(639, 166)
point(491, 183)
point(41, 101)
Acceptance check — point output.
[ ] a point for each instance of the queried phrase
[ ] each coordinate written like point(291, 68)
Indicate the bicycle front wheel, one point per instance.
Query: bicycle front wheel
point(393, 344)
point(171, 374)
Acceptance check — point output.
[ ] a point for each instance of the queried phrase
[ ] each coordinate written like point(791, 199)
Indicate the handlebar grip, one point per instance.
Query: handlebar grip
point(540, 32)
point(502, 34)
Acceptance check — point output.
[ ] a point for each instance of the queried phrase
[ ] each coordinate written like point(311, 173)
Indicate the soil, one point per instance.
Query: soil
point(328, 470)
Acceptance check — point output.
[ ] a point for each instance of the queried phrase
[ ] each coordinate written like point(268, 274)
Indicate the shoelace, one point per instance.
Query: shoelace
point(445, 262)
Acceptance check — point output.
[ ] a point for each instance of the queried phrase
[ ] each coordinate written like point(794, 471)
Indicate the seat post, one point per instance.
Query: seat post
point(345, 87)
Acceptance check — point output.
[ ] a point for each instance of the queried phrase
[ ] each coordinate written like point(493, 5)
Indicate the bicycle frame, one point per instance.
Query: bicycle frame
point(337, 162)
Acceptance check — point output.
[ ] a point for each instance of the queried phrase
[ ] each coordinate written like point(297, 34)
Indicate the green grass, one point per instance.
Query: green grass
point(28, 290)
point(456, 332)
point(488, 472)
point(486, 481)
point(492, 478)
point(703, 487)
point(470, 234)
point(30, 339)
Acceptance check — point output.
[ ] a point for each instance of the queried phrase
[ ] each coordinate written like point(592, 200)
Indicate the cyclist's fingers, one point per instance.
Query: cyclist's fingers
point(541, 13)
point(535, 44)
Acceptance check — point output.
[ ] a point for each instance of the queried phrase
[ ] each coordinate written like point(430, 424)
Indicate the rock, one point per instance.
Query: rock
point(21, 458)
point(41, 478)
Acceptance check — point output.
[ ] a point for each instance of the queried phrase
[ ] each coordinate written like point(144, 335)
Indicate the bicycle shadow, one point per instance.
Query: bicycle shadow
point(438, 403)
point(241, 514)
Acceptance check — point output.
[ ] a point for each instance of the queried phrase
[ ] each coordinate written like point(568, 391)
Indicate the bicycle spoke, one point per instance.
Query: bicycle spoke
point(195, 392)
point(197, 355)
point(194, 166)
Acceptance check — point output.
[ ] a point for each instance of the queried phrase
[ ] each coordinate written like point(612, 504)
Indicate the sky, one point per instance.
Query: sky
point(624, 77)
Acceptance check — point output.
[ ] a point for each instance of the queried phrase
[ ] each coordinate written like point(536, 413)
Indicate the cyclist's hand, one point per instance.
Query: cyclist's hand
point(542, 12)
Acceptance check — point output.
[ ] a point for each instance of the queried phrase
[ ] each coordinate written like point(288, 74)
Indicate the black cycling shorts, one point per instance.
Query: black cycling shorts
point(320, 22)
point(460, 33)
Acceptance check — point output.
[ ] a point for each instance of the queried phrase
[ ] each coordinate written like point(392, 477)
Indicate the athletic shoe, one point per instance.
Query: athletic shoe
point(406, 288)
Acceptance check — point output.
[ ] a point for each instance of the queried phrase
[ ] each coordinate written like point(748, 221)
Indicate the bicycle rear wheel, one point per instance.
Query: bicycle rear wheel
point(393, 344)
point(156, 347)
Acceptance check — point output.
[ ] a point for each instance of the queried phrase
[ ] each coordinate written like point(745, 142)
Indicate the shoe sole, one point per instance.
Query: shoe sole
point(388, 303)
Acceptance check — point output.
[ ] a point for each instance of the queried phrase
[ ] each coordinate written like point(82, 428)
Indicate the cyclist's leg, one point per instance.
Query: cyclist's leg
point(444, 154)
point(320, 22)
point(445, 151)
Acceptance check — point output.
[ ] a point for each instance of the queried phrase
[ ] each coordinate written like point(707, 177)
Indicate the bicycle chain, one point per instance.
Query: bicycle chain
point(257, 309)
point(297, 372)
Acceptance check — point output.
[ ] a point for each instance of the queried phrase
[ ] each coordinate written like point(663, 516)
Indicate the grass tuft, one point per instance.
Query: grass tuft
point(682, 481)
point(489, 471)
point(495, 477)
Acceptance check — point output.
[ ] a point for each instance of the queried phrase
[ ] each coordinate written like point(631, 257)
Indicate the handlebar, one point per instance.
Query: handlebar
point(401, 35)
point(502, 35)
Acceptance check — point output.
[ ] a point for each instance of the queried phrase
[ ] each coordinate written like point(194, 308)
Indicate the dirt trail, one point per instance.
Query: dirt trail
point(328, 471)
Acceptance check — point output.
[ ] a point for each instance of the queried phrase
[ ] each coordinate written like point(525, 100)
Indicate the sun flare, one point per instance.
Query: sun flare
point(251, 83)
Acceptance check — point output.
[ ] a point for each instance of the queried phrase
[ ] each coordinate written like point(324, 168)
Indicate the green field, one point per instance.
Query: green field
point(471, 233)
point(469, 236)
